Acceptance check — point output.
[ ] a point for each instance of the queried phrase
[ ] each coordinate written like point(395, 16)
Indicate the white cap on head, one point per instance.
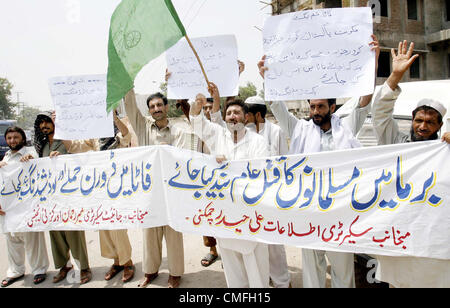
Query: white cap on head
point(438, 106)
point(255, 100)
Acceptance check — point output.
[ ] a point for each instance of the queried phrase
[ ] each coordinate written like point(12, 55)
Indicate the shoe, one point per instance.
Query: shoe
point(174, 282)
point(148, 278)
point(113, 271)
point(9, 281)
point(85, 276)
point(128, 273)
point(62, 274)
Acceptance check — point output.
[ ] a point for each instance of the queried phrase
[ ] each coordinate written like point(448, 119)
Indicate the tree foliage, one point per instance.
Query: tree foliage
point(247, 91)
point(27, 117)
point(6, 105)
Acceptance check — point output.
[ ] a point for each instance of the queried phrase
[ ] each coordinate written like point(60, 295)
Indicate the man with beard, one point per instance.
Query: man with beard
point(62, 242)
point(324, 132)
point(426, 124)
point(31, 244)
point(246, 263)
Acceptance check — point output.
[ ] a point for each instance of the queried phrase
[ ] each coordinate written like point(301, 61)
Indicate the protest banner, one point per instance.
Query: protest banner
point(318, 54)
point(391, 200)
point(219, 56)
point(80, 106)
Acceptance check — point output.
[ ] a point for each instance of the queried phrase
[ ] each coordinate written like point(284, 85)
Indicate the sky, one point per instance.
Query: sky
point(42, 39)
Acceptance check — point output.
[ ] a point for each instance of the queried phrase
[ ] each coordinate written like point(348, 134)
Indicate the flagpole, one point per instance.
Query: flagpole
point(198, 58)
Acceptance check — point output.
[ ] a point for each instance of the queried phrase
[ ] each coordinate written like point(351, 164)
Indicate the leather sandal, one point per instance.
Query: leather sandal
point(128, 273)
point(39, 278)
point(62, 274)
point(113, 271)
point(174, 282)
point(85, 276)
point(9, 281)
point(148, 278)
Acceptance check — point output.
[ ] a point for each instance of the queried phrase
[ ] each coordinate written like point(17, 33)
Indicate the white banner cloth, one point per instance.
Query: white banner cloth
point(391, 200)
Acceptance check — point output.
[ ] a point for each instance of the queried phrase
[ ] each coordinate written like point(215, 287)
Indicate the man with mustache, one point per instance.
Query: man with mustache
point(29, 244)
point(246, 263)
point(324, 132)
point(426, 124)
point(158, 130)
point(62, 242)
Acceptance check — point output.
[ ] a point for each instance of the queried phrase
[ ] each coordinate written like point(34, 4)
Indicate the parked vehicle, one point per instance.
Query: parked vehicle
point(4, 124)
point(412, 93)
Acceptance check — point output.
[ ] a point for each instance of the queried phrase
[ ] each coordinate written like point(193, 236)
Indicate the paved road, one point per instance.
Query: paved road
point(196, 276)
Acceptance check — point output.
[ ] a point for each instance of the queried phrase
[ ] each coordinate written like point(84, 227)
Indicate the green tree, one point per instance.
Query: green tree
point(173, 111)
point(248, 91)
point(6, 105)
point(26, 117)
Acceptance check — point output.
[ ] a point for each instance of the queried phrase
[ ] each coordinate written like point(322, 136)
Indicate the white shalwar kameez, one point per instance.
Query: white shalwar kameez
point(307, 137)
point(246, 263)
point(29, 244)
point(278, 145)
point(403, 272)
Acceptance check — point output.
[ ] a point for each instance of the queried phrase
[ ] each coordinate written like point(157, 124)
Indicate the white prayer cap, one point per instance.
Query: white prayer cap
point(438, 106)
point(255, 100)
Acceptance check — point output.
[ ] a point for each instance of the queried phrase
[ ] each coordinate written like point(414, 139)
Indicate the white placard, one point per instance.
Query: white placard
point(219, 57)
point(319, 54)
point(80, 106)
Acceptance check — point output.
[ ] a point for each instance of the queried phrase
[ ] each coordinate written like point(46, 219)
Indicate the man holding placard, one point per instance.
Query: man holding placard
point(324, 132)
point(159, 130)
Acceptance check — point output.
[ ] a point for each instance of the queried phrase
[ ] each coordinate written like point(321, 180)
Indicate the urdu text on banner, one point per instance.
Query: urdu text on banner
point(389, 200)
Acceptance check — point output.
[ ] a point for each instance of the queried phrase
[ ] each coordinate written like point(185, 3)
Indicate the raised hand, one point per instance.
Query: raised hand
point(261, 67)
point(403, 59)
point(241, 67)
point(446, 137)
point(401, 62)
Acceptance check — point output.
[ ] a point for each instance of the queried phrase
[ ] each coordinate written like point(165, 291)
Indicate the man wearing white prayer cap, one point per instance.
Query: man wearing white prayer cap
point(277, 141)
point(408, 272)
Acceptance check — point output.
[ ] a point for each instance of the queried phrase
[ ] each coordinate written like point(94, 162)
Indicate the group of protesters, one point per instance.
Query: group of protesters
point(237, 130)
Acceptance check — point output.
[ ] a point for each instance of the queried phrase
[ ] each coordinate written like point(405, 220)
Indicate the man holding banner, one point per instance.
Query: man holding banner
point(62, 242)
point(31, 244)
point(246, 263)
point(278, 145)
point(426, 123)
point(324, 132)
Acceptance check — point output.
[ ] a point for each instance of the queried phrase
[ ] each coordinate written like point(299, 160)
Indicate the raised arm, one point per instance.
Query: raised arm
point(286, 120)
point(355, 120)
point(136, 118)
point(385, 126)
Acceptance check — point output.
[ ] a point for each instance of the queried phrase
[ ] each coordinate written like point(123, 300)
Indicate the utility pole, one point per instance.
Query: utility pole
point(19, 102)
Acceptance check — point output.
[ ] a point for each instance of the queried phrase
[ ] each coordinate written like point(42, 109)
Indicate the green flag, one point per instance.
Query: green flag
point(140, 31)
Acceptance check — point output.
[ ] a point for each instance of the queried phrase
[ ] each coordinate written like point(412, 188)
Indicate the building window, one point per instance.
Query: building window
point(414, 72)
point(384, 8)
point(379, 7)
point(384, 64)
point(412, 10)
point(447, 4)
point(448, 65)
